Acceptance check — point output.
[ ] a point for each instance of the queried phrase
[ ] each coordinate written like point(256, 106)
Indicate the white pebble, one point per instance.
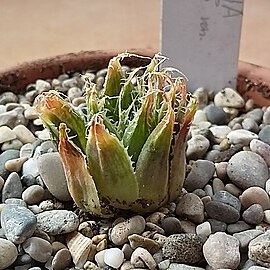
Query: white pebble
point(24, 134)
point(114, 257)
point(6, 134)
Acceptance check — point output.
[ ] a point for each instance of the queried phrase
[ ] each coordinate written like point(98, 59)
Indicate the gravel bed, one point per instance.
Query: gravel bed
point(221, 220)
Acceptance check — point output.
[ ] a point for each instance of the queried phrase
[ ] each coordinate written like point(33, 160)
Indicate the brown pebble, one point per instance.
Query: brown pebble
point(98, 238)
point(62, 259)
point(136, 240)
point(15, 165)
point(102, 245)
point(56, 246)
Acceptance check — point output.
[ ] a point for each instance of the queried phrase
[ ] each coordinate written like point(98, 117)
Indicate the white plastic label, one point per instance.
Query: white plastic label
point(201, 38)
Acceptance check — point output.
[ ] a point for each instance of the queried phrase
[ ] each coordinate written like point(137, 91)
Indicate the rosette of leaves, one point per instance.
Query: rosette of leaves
point(128, 151)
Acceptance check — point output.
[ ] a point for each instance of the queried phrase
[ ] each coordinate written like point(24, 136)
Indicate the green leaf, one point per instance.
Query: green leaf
point(111, 168)
point(53, 110)
point(152, 169)
point(80, 183)
point(140, 128)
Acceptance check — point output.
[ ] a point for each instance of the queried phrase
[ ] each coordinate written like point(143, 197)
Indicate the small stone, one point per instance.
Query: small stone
point(190, 206)
point(197, 147)
point(246, 169)
point(33, 194)
point(13, 144)
point(6, 134)
point(220, 132)
point(254, 195)
point(204, 229)
point(1, 182)
point(264, 134)
point(221, 170)
point(215, 115)
point(183, 248)
point(30, 166)
point(99, 258)
point(8, 253)
point(171, 225)
point(238, 226)
point(258, 249)
point(52, 172)
point(27, 150)
point(68, 83)
point(121, 231)
point(8, 97)
point(233, 189)
point(201, 172)
point(180, 266)
point(201, 95)
point(218, 185)
point(229, 98)
point(250, 124)
point(245, 237)
point(42, 86)
point(28, 180)
point(241, 136)
point(13, 118)
point(114, 257)
point(164, 265)
point(199, 117)
point(56, 246)
point(30, 113)
point(62, 259)
point(136, 240)
point(141, 257)
point(222, 251)
point(253, 214)
point(15, 201)
point(56, 222)
point(15, 165)
point(217, 226)
point(18, 222)
point(24, 134)
point(154, 227)
point(4, 157)
point(74, 92)
point(12, 187)
point(43, 135)
point(261, 148)
point(38, 248)
point(227, 198)
point(266, 118)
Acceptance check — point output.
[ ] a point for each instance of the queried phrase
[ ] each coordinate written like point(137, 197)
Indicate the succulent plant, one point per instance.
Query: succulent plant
point(128, 151)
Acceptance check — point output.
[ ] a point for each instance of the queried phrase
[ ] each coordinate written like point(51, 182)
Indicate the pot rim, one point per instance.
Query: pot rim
point(252, 81)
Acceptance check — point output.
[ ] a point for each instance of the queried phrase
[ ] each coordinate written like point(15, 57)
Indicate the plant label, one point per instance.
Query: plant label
point(201, 38)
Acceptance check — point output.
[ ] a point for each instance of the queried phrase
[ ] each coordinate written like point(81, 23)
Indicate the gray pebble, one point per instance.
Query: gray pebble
point(220, 132)
point(56, 222)
point(171, 225)
point(222, 251)
point(183, 248)
point(62, 259)
point(4, 157)
point(42, 86)
point(28, 180)
point(264, 134)
point(68, 83)
point(180, 266)
point(16, 201)
point(191, 206)
point(253, 214)
point(218, 185)
point(256, 114)
point(204, 229)
point(233, 189)
point(13, 144)
point(8, 97)
point(250, 124)
point(239, 226)
point(228, 97)
point(30, 166)
point(201, 172)
point(222, 212)
point(227, 198)
point(197, 147)
point(8, 253)
point(246, 169)
point(38, 248)
point(215, 115)
point(241, 136)
point(261, 148)
point(12, 187)
point(201, 95)
point(18, 223)
point(6, 134)
point(245, 237)
point(217, 226)
point(266, 118)
point(121, 231)
point(27, 150)
point(52, 172)
point(33, 194)
point(258, 249)
point(13, 118)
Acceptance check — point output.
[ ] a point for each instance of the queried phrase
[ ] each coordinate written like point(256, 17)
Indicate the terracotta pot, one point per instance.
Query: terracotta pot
point(253, 81)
